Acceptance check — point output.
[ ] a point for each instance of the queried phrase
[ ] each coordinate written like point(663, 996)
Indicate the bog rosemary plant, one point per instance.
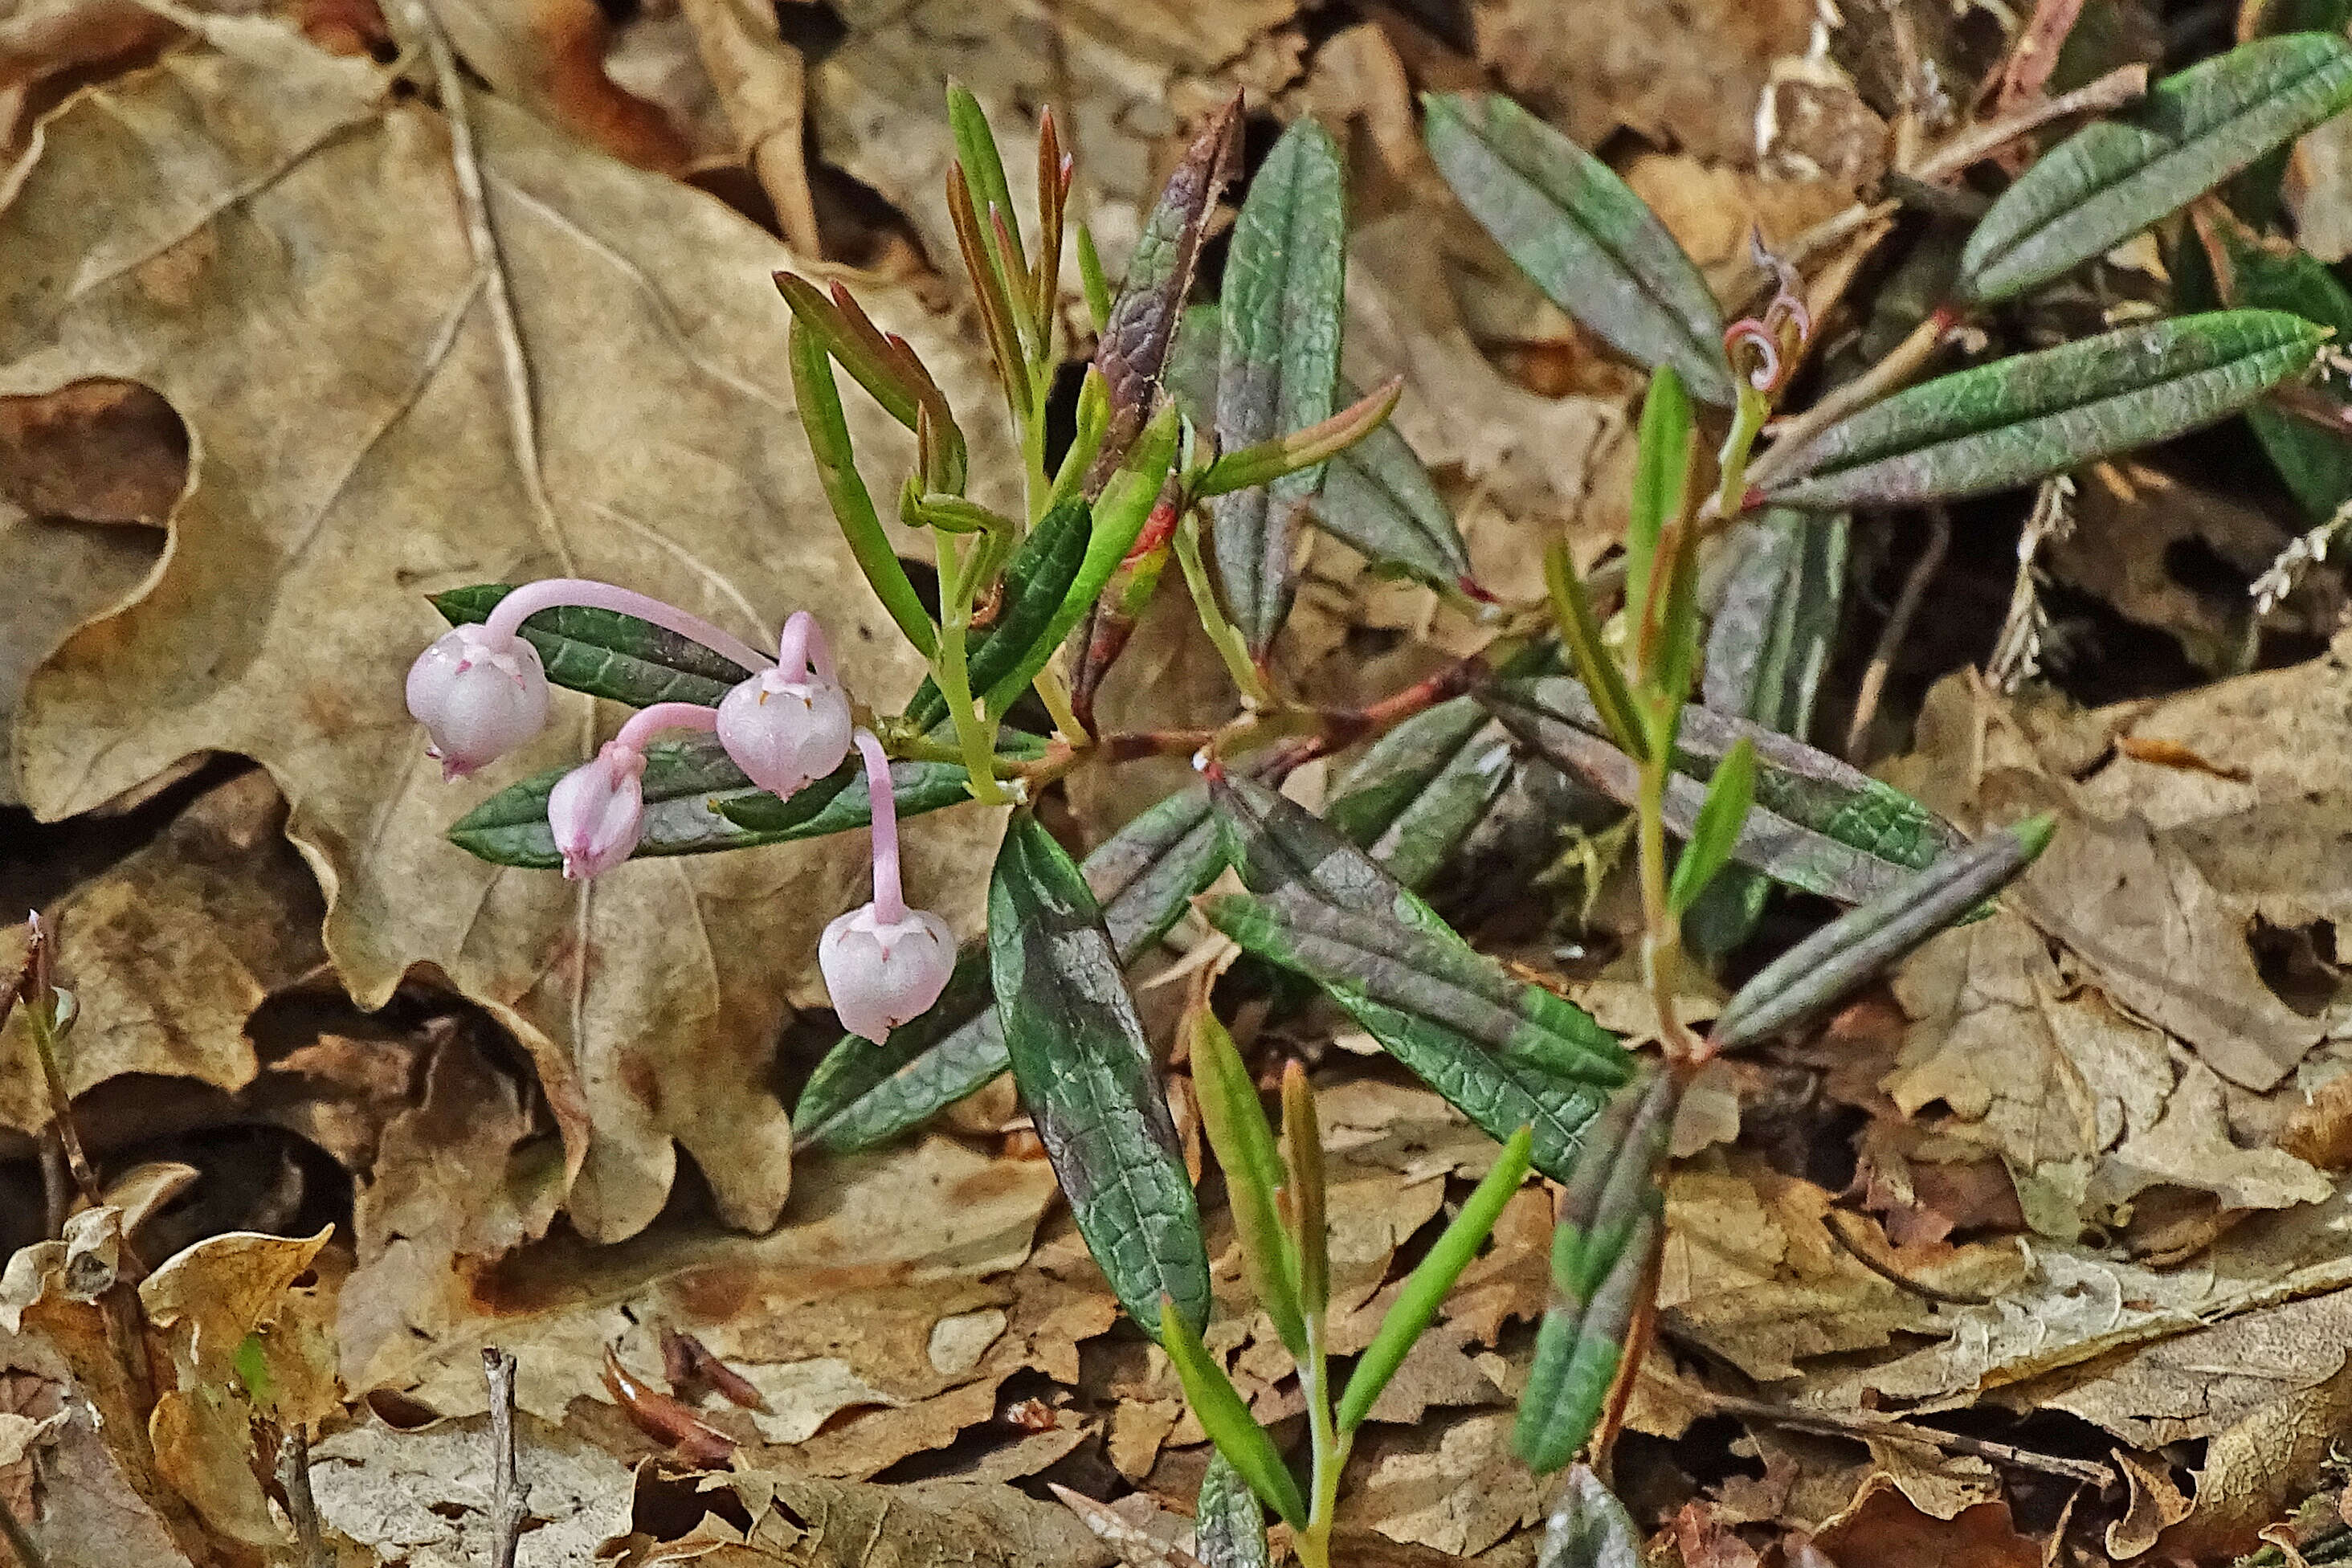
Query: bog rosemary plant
point(1213, 426)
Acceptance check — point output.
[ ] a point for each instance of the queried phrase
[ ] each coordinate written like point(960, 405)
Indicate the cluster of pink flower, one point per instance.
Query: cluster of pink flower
point(480, 691)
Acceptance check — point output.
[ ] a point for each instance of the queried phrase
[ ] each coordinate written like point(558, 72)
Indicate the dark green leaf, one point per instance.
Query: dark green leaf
point(1769, 641)
point(1278, 364)
point(1817, 825)
point(1006, 656)
point(607, 654)
point(1087, 1076)
point(1378, 500)
point(698, 801)
point(1219, 1408)
point(1589, 1528)
point(2114, 177)
point(1228, 1526)
point(862, 1093)
point(1861, 942)
point(1382, 783)
point(1425, 1289)
point(1141, 327)
point(1609, 1221)
point(1416, 795)
point(1583, 235)
point(2018, 420)
point(2316, 464)
point(1506, 1053)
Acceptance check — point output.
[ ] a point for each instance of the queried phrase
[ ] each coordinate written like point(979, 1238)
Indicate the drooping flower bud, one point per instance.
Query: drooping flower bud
point(884, 962)
point(479, 694)
point(597, 810)
point(788, 725)
point(881, 972)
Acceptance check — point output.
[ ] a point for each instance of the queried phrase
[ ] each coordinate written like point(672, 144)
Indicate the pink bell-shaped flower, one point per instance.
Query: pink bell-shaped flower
point(884, 964)
point(788, 725)
point(597, 811)
point(479, 694)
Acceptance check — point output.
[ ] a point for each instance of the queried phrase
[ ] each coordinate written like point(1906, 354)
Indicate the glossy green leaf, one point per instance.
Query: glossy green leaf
point(1425, 1289)
point(1087, 1076)
point(1730, 792)
point(1228, 1526)
point(1141, 324)
point(1865, 941)
point(1589, 1528)
point(1507, 1054)
point(1767, 645)
point(2116, 176)
point(1242, 1142)
point(1818, 824)
point(817, 400)
point(698, 801)
point(2316, 464)
point(1279, 360)
point(1581, 234)
point(1219, 1408)
point(606, 653)
point(862, 1093)
point(1609, 1221)
point(1003, 659)
point(2017, 420)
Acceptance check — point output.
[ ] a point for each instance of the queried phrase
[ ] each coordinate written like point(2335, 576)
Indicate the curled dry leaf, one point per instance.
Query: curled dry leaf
point(376, 454)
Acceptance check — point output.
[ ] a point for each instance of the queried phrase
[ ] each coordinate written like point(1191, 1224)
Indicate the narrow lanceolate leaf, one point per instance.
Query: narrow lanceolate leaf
point(1609, 1222)
point(1862, 941)
point(692, 790)
point(607, 654)
point(2114, 177)
point(1296, 450)
point(1218, 1406)
point(2316, 464)
point(1142, 323)
point(1244, 1144)
point(862, 1093)
point(1228, 1526)
point(1378, 500)
point(1818, 824)
point(1729, 794)
point(1662, 465)
point(1507, 1054)
point(1278, 363)
point(1006, 656)
point(2018, 420)
point(1583, 235)
point(1086, 1073)
point(1589, 1528)
point(1425, 1289)
point(1768, 643)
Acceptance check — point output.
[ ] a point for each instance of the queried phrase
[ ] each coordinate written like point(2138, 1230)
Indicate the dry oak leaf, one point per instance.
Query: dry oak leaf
point(284, 256)
point(171, 951)
point(807, 1522)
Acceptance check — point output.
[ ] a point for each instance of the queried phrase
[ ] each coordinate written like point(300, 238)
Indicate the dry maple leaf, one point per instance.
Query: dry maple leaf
point(392, 388)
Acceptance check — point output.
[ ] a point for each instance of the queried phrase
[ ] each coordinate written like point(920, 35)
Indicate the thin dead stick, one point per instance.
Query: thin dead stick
point(28, 1556)
point(1902, 362)
point(301, 1506)
point(1839, 1424)
point(36, 990)
point(1898, 626)
point(509, 1497)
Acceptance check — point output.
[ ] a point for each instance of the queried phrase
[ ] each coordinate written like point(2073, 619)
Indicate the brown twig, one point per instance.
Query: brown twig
point(1898, 626)
point(28, 1556)
point(1843, 1424)
point(509, 1497)
point(36, 990)
point(301, 1506)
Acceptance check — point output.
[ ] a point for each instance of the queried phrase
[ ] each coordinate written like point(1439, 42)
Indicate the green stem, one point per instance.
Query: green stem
point(1231, 646)
point(1313, 1544)
point(973, 734)
point(1747, 424)
point(1661, 945)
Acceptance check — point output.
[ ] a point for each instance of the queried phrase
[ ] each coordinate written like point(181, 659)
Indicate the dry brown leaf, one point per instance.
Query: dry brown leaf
point(2156, 1505)
point(355, 461)
point(1457, 1487)
point(422, 1499)
point(1883, 1530)
point(549, 57)
point(62, 574)
point(171, 951)
point(811, 1523)
point(763, 84)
